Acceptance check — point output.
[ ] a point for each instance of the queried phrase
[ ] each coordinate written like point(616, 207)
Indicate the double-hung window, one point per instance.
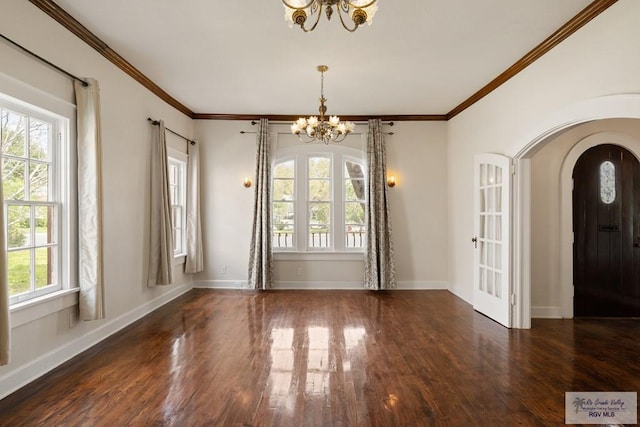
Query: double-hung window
point(319, 199)
point(36, 179)
point(178, 198)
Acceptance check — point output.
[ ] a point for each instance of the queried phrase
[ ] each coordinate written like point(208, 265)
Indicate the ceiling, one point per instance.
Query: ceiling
point(420, 57)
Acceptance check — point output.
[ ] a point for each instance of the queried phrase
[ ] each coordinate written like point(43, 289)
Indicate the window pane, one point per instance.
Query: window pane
point(283, 224)
point(13, 185)
point(607, 182)
point(319, 225)
point(283, 189)
point(44, 267)
point(173, 196)
point(355, 236)
point(284, 170)
point(19, 273)
point(45, 225)
point(13, 133)
point(319, 190)
point(354, 189)
point(39, 133)
point(18, 226)
point(319, 167)
point(39, 182)
point(173, 174)
point(354, 213)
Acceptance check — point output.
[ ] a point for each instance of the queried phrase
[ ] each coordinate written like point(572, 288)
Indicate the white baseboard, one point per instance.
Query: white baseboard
point(242, 284)
point(221, 284)
point(422, 286)
point(27, 373)
point(542, 312)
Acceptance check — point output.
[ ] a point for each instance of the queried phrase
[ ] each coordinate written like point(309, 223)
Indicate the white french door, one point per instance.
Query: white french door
point(492, 202)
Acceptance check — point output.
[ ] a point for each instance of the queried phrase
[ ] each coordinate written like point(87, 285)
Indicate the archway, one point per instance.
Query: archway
point(609, 107)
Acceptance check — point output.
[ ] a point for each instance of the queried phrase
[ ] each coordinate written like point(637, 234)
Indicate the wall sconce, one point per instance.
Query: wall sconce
point(391, 181)
point(247, 182)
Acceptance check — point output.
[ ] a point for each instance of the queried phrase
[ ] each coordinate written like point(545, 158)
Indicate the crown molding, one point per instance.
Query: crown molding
point(71, 24)
point(292, 118)
point(574, 24)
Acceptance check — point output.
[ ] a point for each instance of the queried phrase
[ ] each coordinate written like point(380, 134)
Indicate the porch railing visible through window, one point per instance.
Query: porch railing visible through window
point(319, 239)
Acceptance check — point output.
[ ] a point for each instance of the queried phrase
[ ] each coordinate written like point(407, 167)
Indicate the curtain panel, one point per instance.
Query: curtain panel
point(195, 257)
point(260, 254)
point(379, 265)
point(161, 232)
point(89, 147)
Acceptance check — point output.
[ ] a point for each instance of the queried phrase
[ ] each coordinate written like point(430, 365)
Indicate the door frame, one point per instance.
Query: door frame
point(605, 107)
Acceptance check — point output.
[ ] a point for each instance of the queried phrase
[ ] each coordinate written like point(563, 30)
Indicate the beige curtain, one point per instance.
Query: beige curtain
point(260, 255)
point(379, 268)
point(90, 267)
point(5, 321)
point(161, 236)
point(195, 261)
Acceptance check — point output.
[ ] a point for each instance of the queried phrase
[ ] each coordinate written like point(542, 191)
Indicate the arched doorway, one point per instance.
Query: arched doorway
point(607, 107)
point(606, 228)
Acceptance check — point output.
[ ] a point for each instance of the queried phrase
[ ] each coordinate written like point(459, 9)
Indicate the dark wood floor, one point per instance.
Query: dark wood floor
point(330, 358)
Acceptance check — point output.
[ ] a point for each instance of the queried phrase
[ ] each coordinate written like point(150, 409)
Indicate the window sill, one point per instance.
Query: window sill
point(318, 256)
point(180, 259)
point(28, 311)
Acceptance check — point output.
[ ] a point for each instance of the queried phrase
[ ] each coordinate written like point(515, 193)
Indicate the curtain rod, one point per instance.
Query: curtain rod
point(41, 59)
point(253, 123)
point(156, 123)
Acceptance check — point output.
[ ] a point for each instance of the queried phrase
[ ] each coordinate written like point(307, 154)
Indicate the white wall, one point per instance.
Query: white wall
point(416, 154)
point(40, 344)
point(600, 59)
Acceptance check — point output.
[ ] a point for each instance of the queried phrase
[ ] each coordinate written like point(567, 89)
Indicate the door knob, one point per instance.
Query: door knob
point(475, 242)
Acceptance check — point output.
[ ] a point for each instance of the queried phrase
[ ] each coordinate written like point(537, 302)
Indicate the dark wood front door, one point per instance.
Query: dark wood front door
point(606, 226)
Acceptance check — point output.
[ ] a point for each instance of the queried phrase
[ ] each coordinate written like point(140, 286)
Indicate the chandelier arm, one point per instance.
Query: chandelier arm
point(298, 7)
point(351, 30)
point(356, 6)
point(315, 24)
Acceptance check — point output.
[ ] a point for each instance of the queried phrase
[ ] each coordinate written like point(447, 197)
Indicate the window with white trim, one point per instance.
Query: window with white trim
point(178, 196)
point(36, 182)
point(319, 200)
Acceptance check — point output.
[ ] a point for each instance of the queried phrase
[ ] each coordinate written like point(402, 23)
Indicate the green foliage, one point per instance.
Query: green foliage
point(19, 273)
point(16, 237)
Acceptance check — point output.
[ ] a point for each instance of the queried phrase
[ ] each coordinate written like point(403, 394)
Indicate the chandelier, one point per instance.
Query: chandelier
point(360, 11)
point(318, 129)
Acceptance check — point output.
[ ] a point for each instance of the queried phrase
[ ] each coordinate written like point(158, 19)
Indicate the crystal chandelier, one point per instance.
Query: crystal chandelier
point(314, 129)
point(360, 11)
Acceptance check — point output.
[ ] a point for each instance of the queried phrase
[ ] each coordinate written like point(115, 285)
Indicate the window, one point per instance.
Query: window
point(319, 200)
point(36, 179)
point(178, 197)
point(607, 182)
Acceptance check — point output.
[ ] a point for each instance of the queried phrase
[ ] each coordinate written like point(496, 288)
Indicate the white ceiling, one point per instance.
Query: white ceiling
point(240, 57)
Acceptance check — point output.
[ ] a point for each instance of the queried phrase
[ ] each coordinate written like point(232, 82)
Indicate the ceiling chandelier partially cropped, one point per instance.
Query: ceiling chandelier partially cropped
point(314, 129)
point(358, 11)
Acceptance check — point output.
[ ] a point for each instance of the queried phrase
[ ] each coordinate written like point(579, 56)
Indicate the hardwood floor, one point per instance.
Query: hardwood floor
point(330, 358)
